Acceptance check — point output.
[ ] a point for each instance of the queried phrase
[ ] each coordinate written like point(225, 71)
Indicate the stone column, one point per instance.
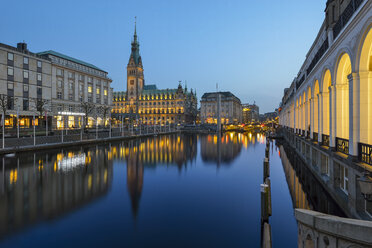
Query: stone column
point(320, 117)
point(311, 100)
point(332, 116)
point(354, 113)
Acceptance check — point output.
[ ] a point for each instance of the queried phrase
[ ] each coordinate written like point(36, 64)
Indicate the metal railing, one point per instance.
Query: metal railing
point(325, 140)
point(365, 153)
point(346, 16)
point(315, 136)
point(77, 135)
point(342, 145)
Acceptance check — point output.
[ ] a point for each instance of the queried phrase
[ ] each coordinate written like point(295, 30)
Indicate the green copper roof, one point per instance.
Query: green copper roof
point(149, 87)
point(57, 54)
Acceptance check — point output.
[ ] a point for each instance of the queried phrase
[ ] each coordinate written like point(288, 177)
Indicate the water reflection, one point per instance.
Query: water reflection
point(169, 150)
point(223, 149)
point(37, 186)
point(305, 190)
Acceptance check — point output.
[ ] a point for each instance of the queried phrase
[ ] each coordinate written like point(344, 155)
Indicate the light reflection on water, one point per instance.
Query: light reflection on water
point(171, 191)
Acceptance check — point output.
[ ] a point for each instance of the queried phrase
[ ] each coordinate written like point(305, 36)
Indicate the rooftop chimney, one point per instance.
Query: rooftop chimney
point(22, 46)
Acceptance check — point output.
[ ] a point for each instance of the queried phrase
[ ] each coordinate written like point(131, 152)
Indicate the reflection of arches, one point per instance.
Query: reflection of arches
point(316, 106)
point(363, 103)
point(326, 83)
point(341, 107)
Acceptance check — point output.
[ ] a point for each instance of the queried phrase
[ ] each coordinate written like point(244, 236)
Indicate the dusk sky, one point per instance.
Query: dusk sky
point(252, 48)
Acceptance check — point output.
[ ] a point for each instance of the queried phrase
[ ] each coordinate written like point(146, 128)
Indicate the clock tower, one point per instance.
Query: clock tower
point(135, 78)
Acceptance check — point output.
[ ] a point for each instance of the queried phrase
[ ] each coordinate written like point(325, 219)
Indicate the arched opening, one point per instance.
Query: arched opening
point(309, 243)
point(342, 97)
point(304, 111)
point(297, 115)
point(327, 81)
point(316, 107)
point(365, 94)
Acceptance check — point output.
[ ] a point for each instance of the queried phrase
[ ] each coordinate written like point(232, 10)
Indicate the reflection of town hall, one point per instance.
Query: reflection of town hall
point(148, 104)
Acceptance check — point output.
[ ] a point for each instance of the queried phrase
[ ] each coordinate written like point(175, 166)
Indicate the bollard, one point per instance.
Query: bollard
point(269, 207)
point(266, 169)
point(267, 153)
point(264, 203)
point(266, 242)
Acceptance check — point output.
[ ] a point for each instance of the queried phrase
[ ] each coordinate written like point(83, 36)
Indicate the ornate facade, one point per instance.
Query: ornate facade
point(146, 103)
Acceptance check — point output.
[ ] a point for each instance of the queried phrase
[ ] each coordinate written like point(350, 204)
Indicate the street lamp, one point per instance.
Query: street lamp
point(365, 184)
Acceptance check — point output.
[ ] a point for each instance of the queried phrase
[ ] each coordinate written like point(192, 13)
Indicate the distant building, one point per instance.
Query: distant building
point(251, 113)
point(149, 105)
point(231, 108)
point(75, 84)
point(51, 86)
point(269, 116)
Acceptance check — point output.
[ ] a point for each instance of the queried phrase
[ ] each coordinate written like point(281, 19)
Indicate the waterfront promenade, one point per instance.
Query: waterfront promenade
point(65, 138)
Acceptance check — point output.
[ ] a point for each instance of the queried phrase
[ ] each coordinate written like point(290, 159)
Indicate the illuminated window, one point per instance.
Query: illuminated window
point(105, 92)
point(97, 91)
point(90, 89)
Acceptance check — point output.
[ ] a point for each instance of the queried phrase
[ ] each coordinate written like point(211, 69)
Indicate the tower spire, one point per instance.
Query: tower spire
point(135, 29)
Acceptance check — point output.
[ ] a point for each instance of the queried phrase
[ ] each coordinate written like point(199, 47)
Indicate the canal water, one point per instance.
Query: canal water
point(167, 191)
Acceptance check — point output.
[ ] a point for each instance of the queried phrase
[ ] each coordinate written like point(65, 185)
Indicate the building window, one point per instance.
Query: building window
point(344, 179)
point(38, 64)
point(90, 89)
point(10, 71)
point(70, 97)
point(59, 95)
point(71, 108)
point(25, 74)
point(10, 56)
point(25, 60)
point(10, 102)
point(81, 77)
point(10, 86)
point(81, 98)
point(39, 77)
point(59, 83)
point(25, 88)
point(97, 91)
point(71, 85)
point(25, 104)
point(132, 82)
point(90, 79)
point(71, 75)
point(59, 72)
point(90, 99)
point(105, 92)
point(81, 86)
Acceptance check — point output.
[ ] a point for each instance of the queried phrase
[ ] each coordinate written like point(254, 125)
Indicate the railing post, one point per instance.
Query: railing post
point(63, 125)
point(33, 117)
point(3, 126)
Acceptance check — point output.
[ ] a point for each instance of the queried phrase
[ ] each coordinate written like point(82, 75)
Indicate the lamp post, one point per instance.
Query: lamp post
point(365, 184)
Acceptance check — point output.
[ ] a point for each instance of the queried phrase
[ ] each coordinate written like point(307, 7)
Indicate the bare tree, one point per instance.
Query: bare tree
point(41, 106)
point(3, 103)
point(87, 109)
point(104, 110)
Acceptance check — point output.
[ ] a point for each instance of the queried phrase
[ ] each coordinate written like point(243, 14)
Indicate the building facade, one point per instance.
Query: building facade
point(231, 108)
point(326, 111)
point(81, 92)
point(25, 86)
point(251, 113)
point(52, 88)
point(147, 104)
